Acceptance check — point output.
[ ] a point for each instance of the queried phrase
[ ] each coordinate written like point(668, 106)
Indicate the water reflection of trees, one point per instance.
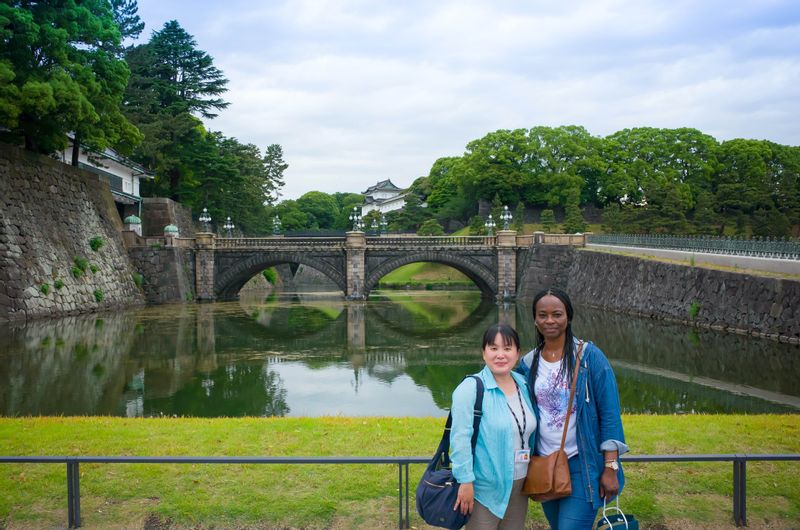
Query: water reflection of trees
point(219, 359)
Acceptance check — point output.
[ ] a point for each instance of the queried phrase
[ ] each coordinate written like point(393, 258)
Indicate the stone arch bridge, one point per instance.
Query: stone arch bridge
point(356, 262)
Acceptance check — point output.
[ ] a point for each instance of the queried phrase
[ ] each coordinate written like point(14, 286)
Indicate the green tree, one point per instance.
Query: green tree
point(127, 19)
point(613, 219)
point(562, 159)
point(548, 220)
point(477, 226)
point(346, 203)
point(497, 210)
point(291, 215)
point(705, 219)
point(411, 216)
point(519, 218)
point(58, 73)
point(321, 209)
point(171, 83)
point(770, 222)
point(274, 166)
point(430, 228)
point(573, 220)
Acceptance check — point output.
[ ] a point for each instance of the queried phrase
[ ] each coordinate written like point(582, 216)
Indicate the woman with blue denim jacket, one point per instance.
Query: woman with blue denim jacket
point(491, 482)
point(595, 439)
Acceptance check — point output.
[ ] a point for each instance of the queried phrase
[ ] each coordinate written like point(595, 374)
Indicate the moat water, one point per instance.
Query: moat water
point(399, 354)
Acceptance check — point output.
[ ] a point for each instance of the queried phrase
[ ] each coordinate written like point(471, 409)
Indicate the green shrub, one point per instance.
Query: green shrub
point(96, 242)
point(138, 279)
point(548, 220)
point(94, 268)
point(45, 288)
point(430, 228)
point(58, 284)
point(98, 295)
point(694, 310)
point(76, 272)
point(81, 262)
point(270, 275)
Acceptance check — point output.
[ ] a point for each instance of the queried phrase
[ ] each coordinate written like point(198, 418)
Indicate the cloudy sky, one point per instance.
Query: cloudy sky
point(360, 91)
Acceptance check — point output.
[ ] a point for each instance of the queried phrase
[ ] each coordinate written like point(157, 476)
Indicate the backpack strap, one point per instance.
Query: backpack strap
point(477, 412)
point(443, 451)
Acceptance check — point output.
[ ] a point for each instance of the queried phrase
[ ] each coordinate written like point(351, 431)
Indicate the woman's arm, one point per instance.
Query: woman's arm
point(606, 400)
point(461, 430)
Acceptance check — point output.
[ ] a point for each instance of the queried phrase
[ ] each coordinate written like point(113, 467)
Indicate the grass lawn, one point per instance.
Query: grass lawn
point(353, 496)
point(424, 273)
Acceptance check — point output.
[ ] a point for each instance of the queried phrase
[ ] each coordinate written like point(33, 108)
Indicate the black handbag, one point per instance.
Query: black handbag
point(437, 490)
point(616, 521)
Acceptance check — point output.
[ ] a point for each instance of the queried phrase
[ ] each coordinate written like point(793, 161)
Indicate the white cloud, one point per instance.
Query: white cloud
point(358, 91)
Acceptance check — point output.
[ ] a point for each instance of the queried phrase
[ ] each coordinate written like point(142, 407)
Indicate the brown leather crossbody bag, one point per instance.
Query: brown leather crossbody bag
point(548, 476)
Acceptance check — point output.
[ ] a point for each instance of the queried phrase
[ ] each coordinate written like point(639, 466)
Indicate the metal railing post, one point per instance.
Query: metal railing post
point(400, 495)
point(408, 522)
point(739, 491)
point(73, 494)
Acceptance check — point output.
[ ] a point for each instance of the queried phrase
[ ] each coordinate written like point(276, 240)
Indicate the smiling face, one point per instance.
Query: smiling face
point(551, 317)
point(500, 356)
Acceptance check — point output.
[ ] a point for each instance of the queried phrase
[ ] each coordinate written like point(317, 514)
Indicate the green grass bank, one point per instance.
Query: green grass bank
point(353, 496)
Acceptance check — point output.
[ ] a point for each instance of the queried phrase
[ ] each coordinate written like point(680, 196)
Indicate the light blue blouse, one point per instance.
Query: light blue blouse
point(492, 473)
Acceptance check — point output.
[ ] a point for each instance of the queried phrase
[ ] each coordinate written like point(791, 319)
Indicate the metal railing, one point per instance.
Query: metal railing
point(431, 241)
point(278, 242)
point(760, 247)
point(74, 490)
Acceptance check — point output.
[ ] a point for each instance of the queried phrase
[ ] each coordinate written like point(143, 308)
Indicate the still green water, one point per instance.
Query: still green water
point(313, 354)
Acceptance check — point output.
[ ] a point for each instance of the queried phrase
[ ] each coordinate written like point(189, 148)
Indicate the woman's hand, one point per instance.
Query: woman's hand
point(466, 498)
point(609, 484)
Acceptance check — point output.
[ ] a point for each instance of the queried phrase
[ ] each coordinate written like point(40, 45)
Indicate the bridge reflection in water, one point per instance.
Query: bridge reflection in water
point(397, 354)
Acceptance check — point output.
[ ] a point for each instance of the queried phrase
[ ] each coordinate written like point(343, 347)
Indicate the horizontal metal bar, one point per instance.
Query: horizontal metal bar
point(215, 460)
point(356, 459)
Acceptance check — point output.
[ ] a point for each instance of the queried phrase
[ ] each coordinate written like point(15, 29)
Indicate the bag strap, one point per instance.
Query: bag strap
point(572, 394)
point(477, 413)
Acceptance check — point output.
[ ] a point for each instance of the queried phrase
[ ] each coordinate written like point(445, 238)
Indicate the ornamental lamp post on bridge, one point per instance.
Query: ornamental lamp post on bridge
point(506, 217)
point(490, 225)
point(276, 226)
point(355, 218)
point(374, 226)
point(229, 226)
point(205, 218)
point(384, 224)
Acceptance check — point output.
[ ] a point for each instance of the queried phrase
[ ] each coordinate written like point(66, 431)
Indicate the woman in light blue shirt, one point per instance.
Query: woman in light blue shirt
point(491, 483)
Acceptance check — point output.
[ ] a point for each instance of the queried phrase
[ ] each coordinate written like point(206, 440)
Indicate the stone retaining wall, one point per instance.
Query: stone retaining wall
point(158, 212)
point(48, 213)
point(741, 303)
point(167, 273)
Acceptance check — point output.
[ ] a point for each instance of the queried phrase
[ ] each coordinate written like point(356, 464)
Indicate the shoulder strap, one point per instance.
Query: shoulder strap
point(442, 453)
point(572, 393)
point(477, 412)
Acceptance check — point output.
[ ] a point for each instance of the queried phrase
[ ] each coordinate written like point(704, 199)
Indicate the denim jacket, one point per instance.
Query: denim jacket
point(599, 425)
point(492, 472)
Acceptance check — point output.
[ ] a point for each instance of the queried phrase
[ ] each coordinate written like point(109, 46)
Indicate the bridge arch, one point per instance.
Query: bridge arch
point(235, 269)
point(479, 273)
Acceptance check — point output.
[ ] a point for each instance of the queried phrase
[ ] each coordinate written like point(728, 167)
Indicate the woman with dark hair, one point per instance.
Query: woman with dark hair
point(491, 482)
point(595, 439)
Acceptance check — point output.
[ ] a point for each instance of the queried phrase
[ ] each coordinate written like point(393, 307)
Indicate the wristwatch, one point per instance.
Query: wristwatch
point(613, 464)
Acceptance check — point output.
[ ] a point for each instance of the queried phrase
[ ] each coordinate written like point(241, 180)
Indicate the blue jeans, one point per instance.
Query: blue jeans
point(574, 512)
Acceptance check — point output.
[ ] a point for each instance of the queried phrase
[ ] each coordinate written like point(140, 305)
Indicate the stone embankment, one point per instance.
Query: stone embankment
point(740, 303)
point(49, 215)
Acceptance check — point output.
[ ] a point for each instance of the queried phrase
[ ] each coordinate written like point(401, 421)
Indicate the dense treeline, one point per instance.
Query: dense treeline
point(64, 68)
point(644, 180)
